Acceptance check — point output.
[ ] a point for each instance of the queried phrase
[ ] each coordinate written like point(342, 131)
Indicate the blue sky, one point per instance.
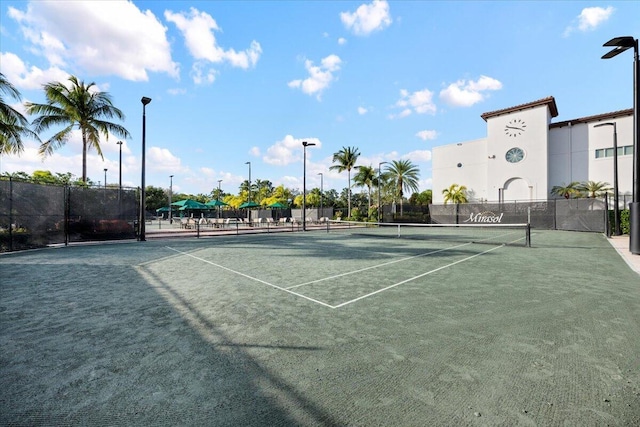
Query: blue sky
point(247, 81)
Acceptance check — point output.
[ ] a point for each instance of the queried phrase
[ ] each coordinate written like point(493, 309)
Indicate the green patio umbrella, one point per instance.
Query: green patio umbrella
point(249, 205)
point(189, 204)
point(277, 205)
point(216, 203)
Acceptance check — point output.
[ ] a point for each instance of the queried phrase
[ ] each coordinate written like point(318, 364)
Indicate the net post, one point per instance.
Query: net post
point(398, 230)
point(528, 235)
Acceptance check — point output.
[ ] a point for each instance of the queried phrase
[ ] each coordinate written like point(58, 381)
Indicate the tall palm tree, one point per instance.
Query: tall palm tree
point(365, 177)
point(595, 189)
point(13, 125)
point(566, 191)
point(346, 160)
point(403, 175)
point(455, 193)
point(79, 106)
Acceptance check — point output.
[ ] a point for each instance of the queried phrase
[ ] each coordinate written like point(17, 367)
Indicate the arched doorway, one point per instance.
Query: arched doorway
point(516, 189)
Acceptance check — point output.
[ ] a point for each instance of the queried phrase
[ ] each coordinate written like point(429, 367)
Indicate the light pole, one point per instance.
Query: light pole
point(620, 44)
point(249, 197)
point(249, 186)
point(616, 213)
point(321, 194)
point(170, 197)
point(218, 198)
point(105, 178)
point(305, 144)
point(143, 206)
point(120, 169)
point(379, 185)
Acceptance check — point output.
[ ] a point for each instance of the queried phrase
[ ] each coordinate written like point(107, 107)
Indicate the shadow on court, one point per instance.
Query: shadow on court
point(90, 343)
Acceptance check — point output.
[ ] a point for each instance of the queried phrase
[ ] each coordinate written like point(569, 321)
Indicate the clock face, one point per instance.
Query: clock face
point(515, 127)
point(514, 155)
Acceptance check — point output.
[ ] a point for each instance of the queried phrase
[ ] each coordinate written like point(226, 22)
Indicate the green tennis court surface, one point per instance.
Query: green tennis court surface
point(321, 329)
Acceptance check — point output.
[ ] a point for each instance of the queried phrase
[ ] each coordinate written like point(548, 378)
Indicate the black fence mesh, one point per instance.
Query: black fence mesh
point(561, 214)
point(36, 215)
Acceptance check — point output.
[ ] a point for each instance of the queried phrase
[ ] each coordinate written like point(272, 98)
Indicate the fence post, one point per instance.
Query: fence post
point(607, 226)
point(10, 214)
point(67, 213)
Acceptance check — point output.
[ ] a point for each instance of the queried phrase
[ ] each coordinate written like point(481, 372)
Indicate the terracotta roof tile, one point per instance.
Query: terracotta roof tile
point(597, 117)
point(550, 101)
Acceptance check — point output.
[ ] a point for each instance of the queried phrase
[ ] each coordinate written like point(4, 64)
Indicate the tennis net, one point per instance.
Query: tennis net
point(492, 233)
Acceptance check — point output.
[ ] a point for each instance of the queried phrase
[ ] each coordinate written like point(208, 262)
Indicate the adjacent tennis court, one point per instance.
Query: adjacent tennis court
point(357, 327)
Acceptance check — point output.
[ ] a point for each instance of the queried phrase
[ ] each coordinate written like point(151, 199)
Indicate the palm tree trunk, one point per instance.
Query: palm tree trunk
point(84, 157)
point(349, 194)
point(369, 209)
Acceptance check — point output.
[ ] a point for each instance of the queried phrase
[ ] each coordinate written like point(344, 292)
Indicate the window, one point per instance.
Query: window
point(601, 153)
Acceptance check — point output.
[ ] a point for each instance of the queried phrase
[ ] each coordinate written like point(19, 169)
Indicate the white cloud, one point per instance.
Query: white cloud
point(589, 19)
point(465, 93)
point(420, 102)
point(162, 160)
point(255, 151)
point(367, 18)
point(426, 135)
point(289, 150)
point(97, 37)
point(198, 31)
point(320, 77)
point(176, 91)
point(16, 71)
point(418, 156)
point(342, 41)
point(200, 75)
point(362, 111)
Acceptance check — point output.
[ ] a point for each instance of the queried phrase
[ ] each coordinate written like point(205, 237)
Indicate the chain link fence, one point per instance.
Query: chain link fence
point(37, 215)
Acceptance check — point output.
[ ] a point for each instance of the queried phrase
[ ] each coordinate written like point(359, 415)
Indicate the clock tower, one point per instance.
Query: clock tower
point(517, 148)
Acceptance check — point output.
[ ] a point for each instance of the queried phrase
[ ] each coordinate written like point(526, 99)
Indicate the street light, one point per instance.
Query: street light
point(616, 214)
point(105, 177)
point(379, 184)
point(120, 169)
point(321, 195)
point(143, 207)
point(249, 199)
point(170, 197)
point(249, 187)
point(305, 144)
point(218, 198)
point(620, 44)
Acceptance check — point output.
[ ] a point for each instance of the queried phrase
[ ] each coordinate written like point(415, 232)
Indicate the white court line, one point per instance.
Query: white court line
point(376, 266)
point(251, 277)
point(416, 277)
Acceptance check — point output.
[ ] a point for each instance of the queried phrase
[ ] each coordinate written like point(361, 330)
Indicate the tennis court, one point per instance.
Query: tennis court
point(317, 328)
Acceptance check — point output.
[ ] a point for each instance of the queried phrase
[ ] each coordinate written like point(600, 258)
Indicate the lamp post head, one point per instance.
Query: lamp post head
point(120, 143)
point(307, 144)
point(620, 45)
point(145, 100)
point(605, 124)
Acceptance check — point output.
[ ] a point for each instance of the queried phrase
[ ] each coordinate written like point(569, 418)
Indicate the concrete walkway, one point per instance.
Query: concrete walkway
point(621, 244)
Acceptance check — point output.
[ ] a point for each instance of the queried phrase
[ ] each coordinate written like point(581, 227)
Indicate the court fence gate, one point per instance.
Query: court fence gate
point(39, 215)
